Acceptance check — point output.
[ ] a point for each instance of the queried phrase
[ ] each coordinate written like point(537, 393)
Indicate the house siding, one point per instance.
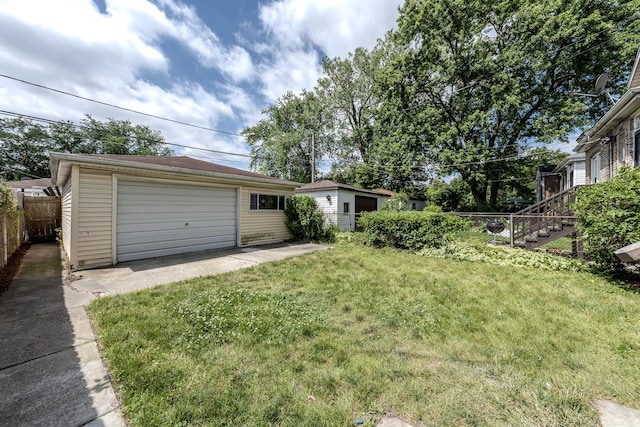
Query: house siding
point(330, 208)
point(579, 169)
point(66, 218)
point(346, 221)
point(94, 240)
point(262, 227)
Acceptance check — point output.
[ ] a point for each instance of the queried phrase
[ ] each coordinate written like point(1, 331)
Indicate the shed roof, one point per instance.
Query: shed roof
point(326, 185)
point(30, 183)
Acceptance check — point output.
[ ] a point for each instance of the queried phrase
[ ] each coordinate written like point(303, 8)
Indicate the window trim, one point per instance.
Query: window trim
point(595, 161)
point(254, 202)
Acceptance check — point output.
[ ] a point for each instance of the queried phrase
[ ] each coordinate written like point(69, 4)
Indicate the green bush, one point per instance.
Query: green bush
point(609, 217)
point(410, 229)
point(305, 220)
point(7, 198)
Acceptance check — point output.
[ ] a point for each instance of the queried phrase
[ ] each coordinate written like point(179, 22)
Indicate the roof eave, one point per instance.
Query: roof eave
point(56, 158)
point(631, 99)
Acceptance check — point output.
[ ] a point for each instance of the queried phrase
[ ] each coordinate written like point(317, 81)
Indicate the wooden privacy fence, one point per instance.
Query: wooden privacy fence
point(43, 215)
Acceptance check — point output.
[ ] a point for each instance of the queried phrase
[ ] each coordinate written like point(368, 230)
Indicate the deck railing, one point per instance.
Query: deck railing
point(549, 214)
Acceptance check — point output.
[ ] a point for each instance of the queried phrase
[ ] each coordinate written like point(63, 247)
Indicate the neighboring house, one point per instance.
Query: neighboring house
point(614, 141)
point(414, 203)
point(547, 182)
point(119, 208)
point(35, 187)
point(342, 204)
point(572, 171)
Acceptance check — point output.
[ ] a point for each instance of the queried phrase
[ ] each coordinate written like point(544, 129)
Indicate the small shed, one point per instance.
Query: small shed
point(119, 208)
point(342, 204)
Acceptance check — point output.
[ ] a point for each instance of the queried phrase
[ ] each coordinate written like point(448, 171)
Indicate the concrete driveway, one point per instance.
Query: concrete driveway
point(51, 372)
point(135, 275)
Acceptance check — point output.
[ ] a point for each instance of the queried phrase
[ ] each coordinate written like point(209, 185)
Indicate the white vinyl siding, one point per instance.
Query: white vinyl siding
point(262, 227)
point(159, 219)
point(66, 218)
point(94, 221)
point(579, 173)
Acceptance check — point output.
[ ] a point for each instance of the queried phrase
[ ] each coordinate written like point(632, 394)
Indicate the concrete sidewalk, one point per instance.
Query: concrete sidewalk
point(51, 373)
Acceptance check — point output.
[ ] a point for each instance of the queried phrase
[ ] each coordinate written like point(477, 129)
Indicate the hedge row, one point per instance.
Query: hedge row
point(412, 230)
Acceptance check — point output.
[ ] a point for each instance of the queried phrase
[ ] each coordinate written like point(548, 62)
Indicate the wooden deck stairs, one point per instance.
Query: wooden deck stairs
point(546, 221)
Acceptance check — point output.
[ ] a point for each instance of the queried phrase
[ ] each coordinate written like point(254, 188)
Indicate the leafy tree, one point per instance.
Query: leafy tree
point(282, 143)
point(120, 137)
point(347, 89)
point(24, 149)
point(452, 197)
point(25, 145)
point(478, 81)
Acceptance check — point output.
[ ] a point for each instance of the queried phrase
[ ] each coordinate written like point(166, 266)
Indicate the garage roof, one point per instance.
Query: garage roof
point(181, 165)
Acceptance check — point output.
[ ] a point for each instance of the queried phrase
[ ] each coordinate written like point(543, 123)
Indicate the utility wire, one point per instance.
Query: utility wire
point(51, 121)
point(118, 107)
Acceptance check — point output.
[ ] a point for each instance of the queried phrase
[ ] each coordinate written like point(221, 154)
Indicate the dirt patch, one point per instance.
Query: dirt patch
point(13, 265)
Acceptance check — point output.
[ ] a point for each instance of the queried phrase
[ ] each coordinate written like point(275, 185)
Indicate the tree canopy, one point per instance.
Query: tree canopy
point(477, 82)
point(462, 88)
point(25, 145)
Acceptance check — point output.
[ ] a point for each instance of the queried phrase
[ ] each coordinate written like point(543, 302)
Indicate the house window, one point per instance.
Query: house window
point(345, 207)
point(595, 169)
point(266, 202)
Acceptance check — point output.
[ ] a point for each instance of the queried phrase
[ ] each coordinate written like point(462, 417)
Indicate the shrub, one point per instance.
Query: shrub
point(609, 217)
point(410, 229)
point(397, 203)
point(305, 220)
point(7, 198)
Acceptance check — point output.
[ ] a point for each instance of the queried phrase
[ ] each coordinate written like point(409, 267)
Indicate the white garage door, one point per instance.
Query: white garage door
point(156, 219)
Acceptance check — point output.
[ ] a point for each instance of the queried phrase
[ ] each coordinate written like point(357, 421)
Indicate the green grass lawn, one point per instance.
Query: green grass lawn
point(355, 333)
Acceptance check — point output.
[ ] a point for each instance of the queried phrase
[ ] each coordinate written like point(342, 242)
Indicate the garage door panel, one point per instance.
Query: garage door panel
point(174, 225)
point(173, 251)
point(151, 219)
point(144, 237)
point(162, 199)
point(177, 245)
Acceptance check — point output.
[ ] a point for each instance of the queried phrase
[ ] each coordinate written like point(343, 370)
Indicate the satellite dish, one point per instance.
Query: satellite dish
point(601, 83)
point(600, 88)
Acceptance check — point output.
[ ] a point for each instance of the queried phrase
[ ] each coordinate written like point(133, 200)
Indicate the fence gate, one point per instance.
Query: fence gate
point(42, 216)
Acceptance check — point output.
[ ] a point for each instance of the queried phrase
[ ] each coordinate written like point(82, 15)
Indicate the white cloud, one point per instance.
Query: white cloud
point(336, 26)
point(187, 27)
point(119, 57)
point(297, 28)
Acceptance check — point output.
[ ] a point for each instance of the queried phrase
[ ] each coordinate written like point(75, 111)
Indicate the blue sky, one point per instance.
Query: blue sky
point(214, 64)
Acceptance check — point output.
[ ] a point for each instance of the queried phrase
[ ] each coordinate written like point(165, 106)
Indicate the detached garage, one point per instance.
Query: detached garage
point(343, 204)
point(119, 208)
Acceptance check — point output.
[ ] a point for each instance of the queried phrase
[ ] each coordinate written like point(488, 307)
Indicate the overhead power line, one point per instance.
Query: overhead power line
point(51, 121)
point(118, 107)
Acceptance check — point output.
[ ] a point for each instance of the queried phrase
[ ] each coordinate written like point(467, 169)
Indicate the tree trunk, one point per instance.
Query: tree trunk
point(479, 192)
point(493, 195)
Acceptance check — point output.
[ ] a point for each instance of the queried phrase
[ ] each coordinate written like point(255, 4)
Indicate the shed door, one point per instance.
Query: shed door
point(364, 204)
point(157, 219)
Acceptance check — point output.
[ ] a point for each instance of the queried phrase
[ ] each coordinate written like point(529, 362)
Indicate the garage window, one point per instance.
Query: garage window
point(266, 202)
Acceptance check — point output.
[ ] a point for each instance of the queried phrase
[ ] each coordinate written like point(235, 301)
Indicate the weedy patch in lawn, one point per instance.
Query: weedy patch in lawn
point(355, 332)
